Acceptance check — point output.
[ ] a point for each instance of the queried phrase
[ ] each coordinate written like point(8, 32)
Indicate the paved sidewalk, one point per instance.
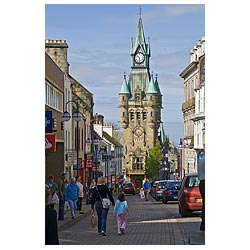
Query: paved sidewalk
point(68, 221)
point(197, 238)
point(150, 223)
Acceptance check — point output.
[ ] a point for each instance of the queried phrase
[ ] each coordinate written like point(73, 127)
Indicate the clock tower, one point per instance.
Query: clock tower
point(140, 103)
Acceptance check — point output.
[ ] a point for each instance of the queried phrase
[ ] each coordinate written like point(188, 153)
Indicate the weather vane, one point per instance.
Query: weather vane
point(140, 13)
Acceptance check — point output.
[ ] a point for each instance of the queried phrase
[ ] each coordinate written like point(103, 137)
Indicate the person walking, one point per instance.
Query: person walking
point(121, 212)
point(146, 187)
point(53, 187)
point(80, 197)
point(90, 192)
point(62, 188)
point(99, 192)
point(71, 195)
point(51, 229)
point(201, 176)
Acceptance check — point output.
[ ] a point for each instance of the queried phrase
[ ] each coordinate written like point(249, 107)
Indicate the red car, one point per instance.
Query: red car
point(128, 188)
point(189, 197)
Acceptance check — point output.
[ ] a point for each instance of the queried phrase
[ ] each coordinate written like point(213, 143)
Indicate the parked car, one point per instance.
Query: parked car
point(153, 186)
point(189, 199)
point(158, 188)
point(171, 191)
point(128, 188)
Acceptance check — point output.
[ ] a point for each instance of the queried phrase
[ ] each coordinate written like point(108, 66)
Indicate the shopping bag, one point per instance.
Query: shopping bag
point(54, 199)
point(93, 218)
point(142, 194)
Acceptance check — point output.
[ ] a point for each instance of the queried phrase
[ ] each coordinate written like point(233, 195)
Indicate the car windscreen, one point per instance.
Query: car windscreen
point(174, 185)
point(161, 184)
point(192, 181)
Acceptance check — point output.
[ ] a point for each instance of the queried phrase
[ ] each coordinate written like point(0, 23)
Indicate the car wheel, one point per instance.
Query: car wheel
point(157, 199)
point(183, 213)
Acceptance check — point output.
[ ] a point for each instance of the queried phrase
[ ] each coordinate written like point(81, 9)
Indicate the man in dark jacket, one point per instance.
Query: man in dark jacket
point(51, 229)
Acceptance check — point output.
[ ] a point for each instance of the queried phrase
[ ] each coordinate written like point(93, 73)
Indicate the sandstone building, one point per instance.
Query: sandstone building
point(140, 103)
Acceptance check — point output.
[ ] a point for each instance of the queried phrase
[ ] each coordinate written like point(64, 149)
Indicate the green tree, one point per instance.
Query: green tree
point(153, 162)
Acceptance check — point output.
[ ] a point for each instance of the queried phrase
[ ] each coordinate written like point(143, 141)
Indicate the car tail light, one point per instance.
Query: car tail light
point(168, 192)
point(191, 192)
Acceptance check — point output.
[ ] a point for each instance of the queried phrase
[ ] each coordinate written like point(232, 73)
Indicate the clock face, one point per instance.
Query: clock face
point(139, 131)
point(139, 57)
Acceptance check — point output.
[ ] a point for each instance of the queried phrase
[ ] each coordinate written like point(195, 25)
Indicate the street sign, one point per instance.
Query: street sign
point(48, 121)
point(103, 150)
point(72, 158)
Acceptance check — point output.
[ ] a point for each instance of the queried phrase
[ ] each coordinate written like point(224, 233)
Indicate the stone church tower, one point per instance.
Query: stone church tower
point(140, 103)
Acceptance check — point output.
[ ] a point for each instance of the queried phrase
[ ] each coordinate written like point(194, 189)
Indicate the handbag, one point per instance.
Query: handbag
point(54, 199)
point(93, 219)
point(106, 203)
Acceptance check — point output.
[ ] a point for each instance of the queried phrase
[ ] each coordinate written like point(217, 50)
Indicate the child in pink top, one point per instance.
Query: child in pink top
point(121, 211)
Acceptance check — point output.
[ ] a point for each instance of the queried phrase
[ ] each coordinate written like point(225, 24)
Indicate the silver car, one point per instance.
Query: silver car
point(158, 188)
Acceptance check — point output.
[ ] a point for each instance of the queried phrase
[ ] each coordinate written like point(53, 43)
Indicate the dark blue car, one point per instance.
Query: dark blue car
point(171, 191)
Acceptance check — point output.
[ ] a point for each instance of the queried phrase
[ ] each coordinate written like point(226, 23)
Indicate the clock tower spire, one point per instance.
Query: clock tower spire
point(140, 108)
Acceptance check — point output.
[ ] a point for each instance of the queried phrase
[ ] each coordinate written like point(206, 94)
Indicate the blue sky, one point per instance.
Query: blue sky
point(99, 39)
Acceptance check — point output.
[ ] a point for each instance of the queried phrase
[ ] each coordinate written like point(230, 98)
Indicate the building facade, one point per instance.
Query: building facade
point(140, 103)
point(75, 93)
point(199, 117)
point(193, 107)
point(54, 136)
point(111, 160)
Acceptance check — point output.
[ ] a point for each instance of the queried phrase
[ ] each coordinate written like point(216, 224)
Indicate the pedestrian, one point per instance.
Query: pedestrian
point(120, 188)
point(201, 176)
point(146, 187)
point(80, 197)
point(51, 229)
point(53, 187)
point(90, 192)
point(99, 192)
point(71, 195)
point(121, 212)
point(62, 188)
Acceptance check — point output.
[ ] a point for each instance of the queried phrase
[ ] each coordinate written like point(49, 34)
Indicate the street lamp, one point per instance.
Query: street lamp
point(77, 116)
point(180, 146)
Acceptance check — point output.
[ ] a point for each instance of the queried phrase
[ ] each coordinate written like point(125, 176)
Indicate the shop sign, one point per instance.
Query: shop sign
point(48, 121)
point(50, 142)
point(89, 163)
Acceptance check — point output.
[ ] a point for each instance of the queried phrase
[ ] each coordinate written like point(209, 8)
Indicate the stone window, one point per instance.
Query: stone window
point(137, 163)
point(131, 115)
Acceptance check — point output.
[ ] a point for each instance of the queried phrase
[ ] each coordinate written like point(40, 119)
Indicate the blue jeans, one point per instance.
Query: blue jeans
point(102, 214)
point(72, 205)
